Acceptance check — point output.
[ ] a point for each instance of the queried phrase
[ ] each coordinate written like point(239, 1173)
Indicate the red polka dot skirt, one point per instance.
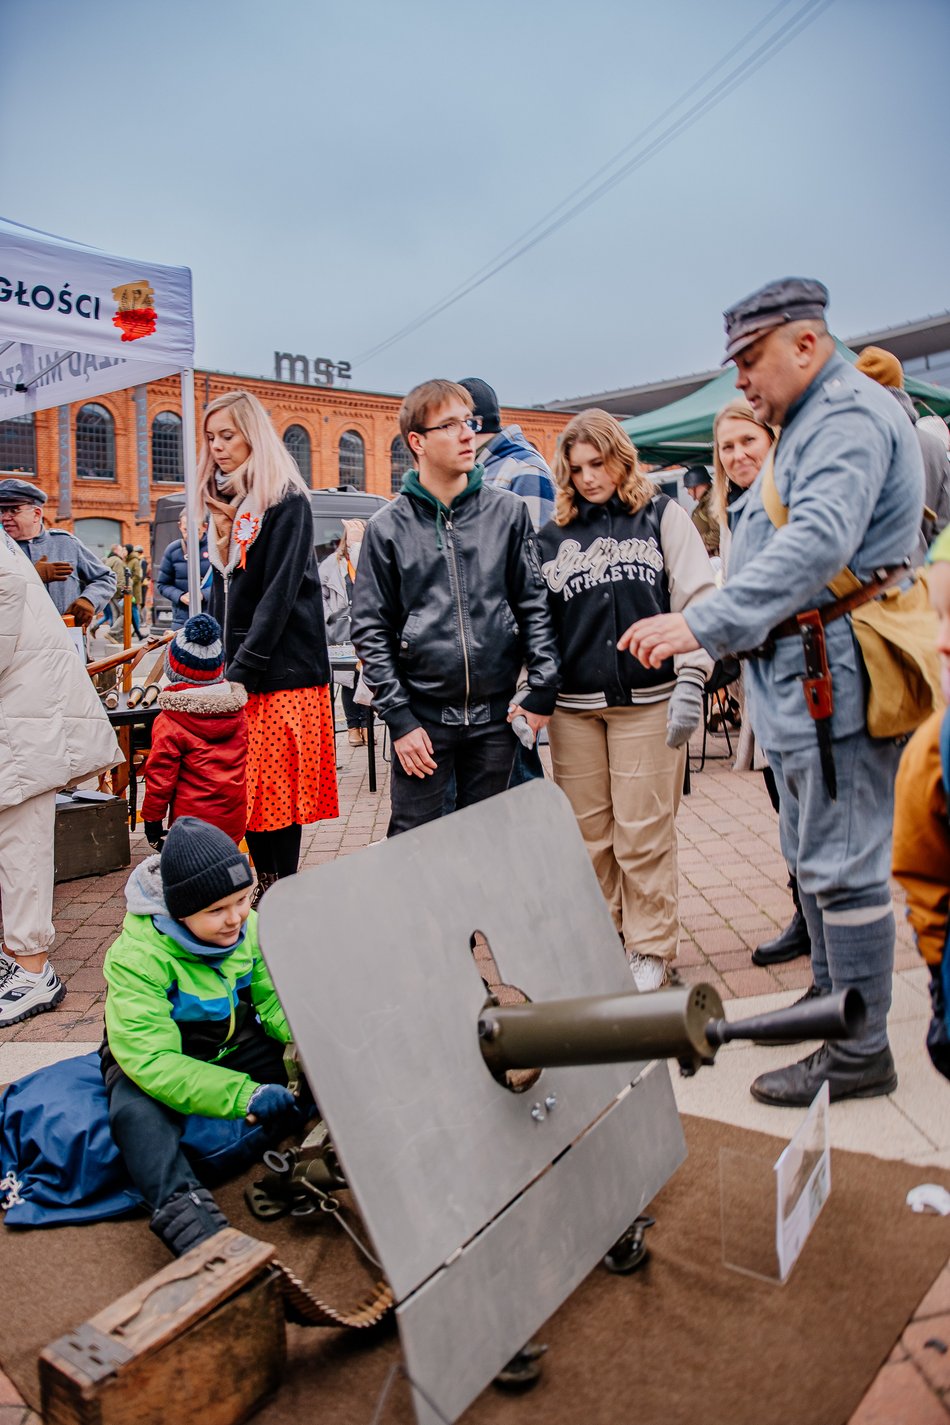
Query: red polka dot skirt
point(291, 759)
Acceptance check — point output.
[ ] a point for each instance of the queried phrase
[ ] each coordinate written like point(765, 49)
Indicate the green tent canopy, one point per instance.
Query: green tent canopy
point(681, 433)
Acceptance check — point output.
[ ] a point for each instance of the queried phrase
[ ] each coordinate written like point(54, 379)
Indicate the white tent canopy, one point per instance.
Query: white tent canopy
point(76, 322)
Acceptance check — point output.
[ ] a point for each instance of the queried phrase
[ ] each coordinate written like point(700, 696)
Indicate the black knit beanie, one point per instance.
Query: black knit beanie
point(485, 402)
point(200, 865)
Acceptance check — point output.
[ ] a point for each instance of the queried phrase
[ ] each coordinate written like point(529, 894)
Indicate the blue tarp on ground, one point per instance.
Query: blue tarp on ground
point(59, 1163)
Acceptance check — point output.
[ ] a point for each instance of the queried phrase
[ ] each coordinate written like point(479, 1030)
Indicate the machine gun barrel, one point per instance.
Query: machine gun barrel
point(685, 1024)
point(839, 1016)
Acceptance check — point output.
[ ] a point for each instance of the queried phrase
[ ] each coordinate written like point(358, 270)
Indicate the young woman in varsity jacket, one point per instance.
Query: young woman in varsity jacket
point(617, 551)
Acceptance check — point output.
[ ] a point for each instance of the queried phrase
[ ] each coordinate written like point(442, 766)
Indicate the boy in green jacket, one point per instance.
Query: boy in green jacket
point(193, 1023)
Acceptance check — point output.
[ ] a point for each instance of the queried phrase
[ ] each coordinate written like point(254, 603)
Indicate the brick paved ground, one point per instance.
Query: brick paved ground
point(733, 894)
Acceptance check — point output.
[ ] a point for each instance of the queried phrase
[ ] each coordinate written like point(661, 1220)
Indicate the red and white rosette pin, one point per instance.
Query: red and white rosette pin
point(246, 529)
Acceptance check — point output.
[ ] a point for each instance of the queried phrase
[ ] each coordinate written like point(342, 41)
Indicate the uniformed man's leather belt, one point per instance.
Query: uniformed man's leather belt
point(880, 580)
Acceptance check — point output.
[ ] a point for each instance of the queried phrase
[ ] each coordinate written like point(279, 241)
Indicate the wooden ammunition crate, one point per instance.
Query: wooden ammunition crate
point(92, 835)
point(201, 1340)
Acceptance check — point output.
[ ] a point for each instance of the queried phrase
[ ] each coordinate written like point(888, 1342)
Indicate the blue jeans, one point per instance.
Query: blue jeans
point(478, 757)
point(841, 853)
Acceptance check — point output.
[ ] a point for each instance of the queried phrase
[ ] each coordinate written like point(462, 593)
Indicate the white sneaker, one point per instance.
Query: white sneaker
point(22, 995)
point(649, 972)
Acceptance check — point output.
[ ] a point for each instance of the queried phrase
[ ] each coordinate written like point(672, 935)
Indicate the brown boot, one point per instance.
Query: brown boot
point(354, 736)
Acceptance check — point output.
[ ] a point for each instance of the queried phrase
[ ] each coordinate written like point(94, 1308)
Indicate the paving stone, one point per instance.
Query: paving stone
point(900, 1396)
point(753, 981)
point(937, 1300)
point(931, 1361)
point(85, 979)
point(719, 941)
point(730, 960)
point(795, 974)
point(9, 1395)
point(44, 1028)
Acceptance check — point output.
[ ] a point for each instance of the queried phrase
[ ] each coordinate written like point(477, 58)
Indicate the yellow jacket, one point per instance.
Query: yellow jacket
point(922, 838)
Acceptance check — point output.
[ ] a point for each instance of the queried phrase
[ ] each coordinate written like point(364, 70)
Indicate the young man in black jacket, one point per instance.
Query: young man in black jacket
point(448, 606)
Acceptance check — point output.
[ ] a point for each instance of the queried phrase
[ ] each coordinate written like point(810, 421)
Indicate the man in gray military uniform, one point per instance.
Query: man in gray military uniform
point(848, 469)
point(78, 583)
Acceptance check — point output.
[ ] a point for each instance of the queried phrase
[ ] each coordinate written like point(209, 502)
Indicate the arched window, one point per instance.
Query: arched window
point(95, 443)
point(400, 460)
point(352, 460)
point(17, 444)
point(168, 464)
point(297, 441)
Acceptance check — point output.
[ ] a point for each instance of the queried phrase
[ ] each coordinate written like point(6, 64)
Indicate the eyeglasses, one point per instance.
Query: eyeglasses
point(455, 427)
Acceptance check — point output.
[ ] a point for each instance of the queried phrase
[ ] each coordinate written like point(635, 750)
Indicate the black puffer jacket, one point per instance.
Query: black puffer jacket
point(448, 605)
point(272, 609)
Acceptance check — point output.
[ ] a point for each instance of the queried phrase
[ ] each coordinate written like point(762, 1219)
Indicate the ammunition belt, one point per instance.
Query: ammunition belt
point(301, 1181)
point(304, 1309)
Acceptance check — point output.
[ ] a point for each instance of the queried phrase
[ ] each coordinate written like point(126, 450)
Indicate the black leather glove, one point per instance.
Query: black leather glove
point(155, 834)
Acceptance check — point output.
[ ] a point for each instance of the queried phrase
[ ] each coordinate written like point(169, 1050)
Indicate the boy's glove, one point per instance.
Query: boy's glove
point(155, 834)
point(269, 1103)
point(684, 712)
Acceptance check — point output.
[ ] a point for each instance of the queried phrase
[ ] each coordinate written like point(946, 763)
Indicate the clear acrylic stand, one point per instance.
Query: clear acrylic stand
point(768, 1209)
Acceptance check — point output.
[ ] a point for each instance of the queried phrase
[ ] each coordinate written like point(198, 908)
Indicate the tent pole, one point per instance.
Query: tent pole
point(191, 481)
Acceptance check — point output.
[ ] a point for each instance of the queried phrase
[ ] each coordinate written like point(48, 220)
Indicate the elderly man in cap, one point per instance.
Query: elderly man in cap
point(847, 469)
point(78, 583)
point(696, 480)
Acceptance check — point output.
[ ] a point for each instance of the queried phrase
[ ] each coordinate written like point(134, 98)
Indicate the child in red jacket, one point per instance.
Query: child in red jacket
point(196, 766)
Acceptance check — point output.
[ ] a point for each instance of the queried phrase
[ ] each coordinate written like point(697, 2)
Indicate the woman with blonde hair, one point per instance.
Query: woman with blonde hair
point(617, 551)
point(741, 446)
point(266, 595)
point(741, 443)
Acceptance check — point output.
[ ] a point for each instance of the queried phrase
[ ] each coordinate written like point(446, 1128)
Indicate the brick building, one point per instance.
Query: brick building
point(104, 463)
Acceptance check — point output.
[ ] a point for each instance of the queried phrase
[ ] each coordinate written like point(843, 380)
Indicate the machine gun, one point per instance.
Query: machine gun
point(469, 1190)
point(686, 1024)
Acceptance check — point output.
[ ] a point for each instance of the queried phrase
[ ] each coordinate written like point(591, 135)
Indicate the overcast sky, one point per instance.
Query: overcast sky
point(330, 171)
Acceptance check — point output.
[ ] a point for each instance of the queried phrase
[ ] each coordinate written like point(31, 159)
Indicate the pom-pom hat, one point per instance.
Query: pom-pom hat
point(196, 653)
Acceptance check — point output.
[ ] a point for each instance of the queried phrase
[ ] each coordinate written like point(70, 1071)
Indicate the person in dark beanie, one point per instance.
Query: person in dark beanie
point(196, 766)
point(193, 1023)
point(507, 458)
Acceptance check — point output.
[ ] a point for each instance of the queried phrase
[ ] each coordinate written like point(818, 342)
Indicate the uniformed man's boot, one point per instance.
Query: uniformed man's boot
point(793, 940)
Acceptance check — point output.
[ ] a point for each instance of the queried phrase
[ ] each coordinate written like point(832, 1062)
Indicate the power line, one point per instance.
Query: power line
point(671, 108)
point(551, 223)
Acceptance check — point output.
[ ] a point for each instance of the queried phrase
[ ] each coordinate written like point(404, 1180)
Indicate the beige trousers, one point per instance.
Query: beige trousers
point(624, 785)
point(26, 874)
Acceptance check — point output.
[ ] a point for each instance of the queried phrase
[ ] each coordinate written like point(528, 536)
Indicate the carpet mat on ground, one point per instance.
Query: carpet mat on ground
point(681, 1340)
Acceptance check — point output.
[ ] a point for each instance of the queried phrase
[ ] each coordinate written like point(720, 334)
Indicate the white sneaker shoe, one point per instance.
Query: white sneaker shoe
point(22, 995)
point(649, 972)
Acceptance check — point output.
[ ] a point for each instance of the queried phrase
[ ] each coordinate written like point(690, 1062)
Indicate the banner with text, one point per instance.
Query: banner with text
point(76, 322)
